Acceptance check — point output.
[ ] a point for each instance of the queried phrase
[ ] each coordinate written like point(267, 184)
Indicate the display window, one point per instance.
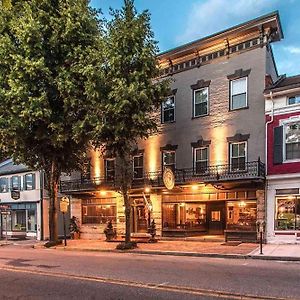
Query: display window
point(241, 215)
point(287, 215)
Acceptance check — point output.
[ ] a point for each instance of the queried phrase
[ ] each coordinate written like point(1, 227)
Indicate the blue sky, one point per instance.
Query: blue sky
point(175, 22)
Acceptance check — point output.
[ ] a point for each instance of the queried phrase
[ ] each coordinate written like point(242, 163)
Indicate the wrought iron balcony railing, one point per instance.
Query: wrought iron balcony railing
point(212, 174)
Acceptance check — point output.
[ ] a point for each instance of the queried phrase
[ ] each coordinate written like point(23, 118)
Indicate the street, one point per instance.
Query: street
point(28, 273)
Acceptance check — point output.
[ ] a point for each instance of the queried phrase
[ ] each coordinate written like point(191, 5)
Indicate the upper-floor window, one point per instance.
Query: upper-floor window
point(169, 159)
point(16, 183)
point(168, 110)
point(292, 141)
point(110, 169)
point(3, 185)
point(294, 100)
point(238, 93)
point(29, 181)
point(138, 166)
point(200, 102)
point(238, 154)
point(201, 160)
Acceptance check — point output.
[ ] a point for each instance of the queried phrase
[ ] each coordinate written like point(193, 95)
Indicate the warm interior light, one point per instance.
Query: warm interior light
point(147, 189)
point(194, 187)
point(242, 204)
point(290, 197)
point(103, 193)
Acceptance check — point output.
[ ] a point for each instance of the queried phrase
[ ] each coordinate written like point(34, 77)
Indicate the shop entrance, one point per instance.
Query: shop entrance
point(216, 218)
point(139, 216)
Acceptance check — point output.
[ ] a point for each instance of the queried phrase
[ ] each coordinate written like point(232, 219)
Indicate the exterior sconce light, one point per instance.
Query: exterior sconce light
point(147, 189)
point(103, 193)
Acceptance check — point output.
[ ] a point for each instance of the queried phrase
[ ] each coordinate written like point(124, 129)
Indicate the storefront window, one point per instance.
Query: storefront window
point(31, 220)
point(184, 216)
point(287, 213)
point(98, 214)
point(241, 215)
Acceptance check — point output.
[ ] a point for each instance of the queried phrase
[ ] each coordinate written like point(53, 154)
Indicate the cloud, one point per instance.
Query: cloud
point(292, 49)
point(210, 16)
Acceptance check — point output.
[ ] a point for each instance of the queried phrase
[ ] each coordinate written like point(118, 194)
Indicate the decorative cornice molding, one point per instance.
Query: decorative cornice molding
point(200, 84)
point(238, 137)
point(239, 74)
point(169, 147)
point(201, 143)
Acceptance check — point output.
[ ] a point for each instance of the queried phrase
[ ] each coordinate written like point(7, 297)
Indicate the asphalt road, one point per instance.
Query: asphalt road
point(54, 274)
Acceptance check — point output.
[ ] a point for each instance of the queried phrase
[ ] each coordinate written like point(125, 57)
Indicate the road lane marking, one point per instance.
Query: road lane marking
point(169, 288)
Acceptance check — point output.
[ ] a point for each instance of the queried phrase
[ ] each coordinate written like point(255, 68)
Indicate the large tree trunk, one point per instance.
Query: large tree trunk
point(127, 217)
point(53, 176)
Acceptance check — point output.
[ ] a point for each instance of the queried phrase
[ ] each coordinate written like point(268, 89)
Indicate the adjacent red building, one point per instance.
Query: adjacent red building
point(283, 160)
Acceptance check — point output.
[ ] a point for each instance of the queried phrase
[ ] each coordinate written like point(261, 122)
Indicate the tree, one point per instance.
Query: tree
point(132, 92)
point(50, 79)
point(6, 4)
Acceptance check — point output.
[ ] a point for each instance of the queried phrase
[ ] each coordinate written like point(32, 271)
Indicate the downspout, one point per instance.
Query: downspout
point(266, 157)
point(42, 204)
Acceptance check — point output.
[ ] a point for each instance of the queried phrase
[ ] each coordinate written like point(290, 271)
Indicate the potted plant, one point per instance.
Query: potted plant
point(74, 228)
point(152, 231)
point(110, 232)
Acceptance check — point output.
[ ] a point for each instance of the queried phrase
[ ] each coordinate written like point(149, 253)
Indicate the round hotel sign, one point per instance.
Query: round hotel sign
point(169, 178)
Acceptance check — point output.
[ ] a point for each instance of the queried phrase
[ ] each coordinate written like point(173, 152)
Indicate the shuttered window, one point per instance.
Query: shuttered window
point(278, 145)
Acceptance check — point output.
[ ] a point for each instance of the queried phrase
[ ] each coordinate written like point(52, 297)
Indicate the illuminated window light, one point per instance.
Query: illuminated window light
point(103, 193)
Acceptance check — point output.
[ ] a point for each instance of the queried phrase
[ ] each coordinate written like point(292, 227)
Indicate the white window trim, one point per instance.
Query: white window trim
point(194, 102)
point(208, 158)
point(168, 151)
point(25, 182)
point(139, 155)
point(162, 111)
point(291, 105)
point(284, 123)
point(231, 81)
point(230, 155)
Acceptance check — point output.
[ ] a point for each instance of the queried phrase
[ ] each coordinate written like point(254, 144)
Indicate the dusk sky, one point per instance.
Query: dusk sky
point(176, 22)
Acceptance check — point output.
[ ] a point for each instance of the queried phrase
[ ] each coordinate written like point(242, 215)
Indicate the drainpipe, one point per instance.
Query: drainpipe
point(41, 173)
point(266, 157)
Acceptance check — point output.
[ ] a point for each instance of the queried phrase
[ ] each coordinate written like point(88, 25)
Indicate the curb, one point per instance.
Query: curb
point(186, 254)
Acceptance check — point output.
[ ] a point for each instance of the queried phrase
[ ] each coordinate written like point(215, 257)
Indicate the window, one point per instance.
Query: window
point(169, 160)
point(201, 160)
point(168, 110)
point(16, 183)
point(287, 213)
point(138, 166)
point(98, 214)
point(238, 97)
point(110, 169)
point(200, 104)
point(184, 216)
point(29, 182)
point(3, 185)
point(294, 100)
point(238, 156)
point(292, 141)
point(241, 215)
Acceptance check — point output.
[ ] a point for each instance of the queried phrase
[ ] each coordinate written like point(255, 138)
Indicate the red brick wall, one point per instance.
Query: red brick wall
point(284, 168)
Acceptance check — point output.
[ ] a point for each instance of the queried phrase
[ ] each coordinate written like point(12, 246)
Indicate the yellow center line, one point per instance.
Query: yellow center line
point(162, 287)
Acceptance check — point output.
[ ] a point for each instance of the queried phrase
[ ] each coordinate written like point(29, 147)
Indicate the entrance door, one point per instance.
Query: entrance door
point(140, 216)
point(216, 217)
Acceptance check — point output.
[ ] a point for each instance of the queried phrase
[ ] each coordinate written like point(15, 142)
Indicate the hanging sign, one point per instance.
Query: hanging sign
point(169, 178)
point(15, 195)
point(64, 204)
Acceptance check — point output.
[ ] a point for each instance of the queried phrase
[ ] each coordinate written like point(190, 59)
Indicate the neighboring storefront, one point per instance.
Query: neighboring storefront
point(20, 202)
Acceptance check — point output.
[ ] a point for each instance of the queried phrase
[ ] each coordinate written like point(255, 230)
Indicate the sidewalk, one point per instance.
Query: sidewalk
point(193, 248)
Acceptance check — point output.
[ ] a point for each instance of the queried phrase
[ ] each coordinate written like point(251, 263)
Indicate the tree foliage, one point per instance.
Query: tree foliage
point(50, 79)
point(133, 92)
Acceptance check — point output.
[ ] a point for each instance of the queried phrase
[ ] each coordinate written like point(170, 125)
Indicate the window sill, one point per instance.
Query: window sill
point(290, 161)
point(241, 108)
point(164, 123)
point(202, 116)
